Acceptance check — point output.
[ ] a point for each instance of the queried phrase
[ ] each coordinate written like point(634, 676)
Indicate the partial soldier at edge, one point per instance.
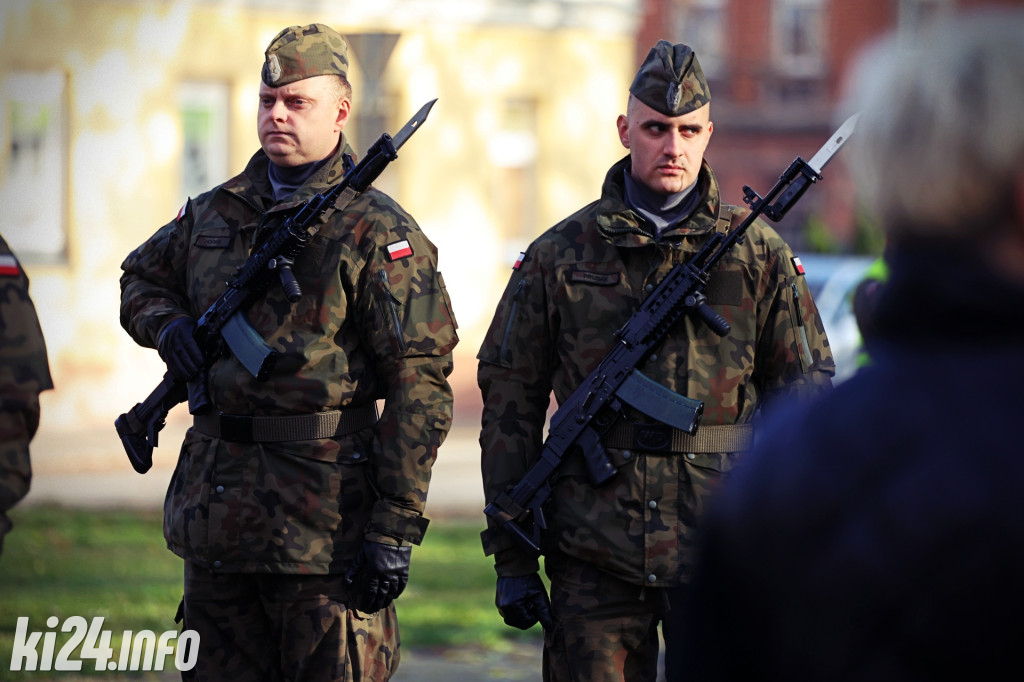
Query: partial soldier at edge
point(24, 374)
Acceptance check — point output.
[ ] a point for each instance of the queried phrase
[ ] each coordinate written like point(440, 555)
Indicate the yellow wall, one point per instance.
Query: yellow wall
point(123, 61)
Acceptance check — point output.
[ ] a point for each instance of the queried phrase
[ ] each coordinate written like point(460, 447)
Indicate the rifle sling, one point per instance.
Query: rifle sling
point(661, 439)
point(346, 196)
point(243, 429)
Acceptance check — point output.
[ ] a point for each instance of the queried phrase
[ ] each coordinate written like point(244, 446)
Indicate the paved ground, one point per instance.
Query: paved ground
point(89, 469)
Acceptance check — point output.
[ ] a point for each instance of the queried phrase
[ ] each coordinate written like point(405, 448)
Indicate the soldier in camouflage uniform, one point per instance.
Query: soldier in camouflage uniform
point(617, 555)
point(24, 374)
point(295, 544)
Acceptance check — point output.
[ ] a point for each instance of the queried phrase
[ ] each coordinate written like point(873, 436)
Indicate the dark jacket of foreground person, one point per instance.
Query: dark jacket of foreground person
point(878, 534)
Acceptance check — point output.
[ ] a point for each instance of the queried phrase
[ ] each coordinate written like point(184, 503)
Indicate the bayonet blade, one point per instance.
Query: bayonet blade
point(413, 125)
point(829, 149)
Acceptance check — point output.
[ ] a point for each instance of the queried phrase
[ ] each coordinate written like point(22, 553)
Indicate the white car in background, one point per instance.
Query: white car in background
point(832, 280)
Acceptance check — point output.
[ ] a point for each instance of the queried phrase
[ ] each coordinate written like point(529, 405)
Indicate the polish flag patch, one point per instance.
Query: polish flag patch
point(398, 250)
point(798, 265)
point(519, 260)
point(9, 266)
point(182, 211)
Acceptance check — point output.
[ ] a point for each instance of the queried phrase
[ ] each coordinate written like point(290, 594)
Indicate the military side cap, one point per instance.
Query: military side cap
point(671, 81)
point(300, 52)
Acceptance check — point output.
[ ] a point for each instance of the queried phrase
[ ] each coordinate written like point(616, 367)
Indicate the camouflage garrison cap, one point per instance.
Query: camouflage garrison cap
point(300, 52)
point(671, 81)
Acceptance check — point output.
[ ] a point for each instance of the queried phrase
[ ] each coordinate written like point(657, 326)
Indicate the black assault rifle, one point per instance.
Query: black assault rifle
point(224, 321)
point(596, 404)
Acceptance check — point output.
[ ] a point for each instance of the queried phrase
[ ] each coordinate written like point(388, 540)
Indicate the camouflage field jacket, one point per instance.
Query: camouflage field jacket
point(24, 373)
point(374, 322)
point(576, 285)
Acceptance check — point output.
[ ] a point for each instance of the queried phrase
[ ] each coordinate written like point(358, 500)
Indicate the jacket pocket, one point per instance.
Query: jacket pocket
point(508, 332)
point(390, 309)
point(803, 346)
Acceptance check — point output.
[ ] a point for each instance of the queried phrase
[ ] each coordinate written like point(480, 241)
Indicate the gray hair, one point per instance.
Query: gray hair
point(940, 139)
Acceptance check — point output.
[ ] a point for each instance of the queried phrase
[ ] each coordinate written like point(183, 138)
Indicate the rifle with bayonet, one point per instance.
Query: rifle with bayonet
point(598, 402)
point(223, 326)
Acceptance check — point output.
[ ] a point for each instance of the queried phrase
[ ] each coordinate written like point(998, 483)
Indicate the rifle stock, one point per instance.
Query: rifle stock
point(139, 426)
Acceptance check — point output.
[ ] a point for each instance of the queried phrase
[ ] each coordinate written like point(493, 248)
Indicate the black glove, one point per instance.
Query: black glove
point(378, 575)
point(522, 602)
point(179, 349)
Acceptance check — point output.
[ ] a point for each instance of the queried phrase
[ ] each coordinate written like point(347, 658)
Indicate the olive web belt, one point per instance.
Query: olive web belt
point(243, 429)
point(655, 437)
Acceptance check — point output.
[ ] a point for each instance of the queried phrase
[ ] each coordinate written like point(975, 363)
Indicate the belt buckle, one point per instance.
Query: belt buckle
point(236, 428)
point(652, 436)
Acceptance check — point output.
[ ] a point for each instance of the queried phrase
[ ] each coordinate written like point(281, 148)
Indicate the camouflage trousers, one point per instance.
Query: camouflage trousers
point(606, 629)
point(285, 628)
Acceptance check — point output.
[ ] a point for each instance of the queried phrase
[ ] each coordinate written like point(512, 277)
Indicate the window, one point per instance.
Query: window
point(204, 121)
point(701, 25)
point(798, 38)
point(513, 152)
point(916, 13)
point(33, 165)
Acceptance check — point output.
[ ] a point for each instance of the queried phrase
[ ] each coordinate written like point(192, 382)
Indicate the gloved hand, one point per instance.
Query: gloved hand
point(522, 602)
point(179, 349)
point(378, 575)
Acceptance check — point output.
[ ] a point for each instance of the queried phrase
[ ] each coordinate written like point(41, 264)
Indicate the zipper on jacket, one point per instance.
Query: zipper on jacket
point(503, 352)
point(805, 345)
point(396, 320)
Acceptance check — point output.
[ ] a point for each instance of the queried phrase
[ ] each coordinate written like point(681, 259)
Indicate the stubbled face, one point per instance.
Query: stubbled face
point(300, 122)
point(666, 151)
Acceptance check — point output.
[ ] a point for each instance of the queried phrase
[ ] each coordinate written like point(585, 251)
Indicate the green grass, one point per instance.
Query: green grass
point(62, 562)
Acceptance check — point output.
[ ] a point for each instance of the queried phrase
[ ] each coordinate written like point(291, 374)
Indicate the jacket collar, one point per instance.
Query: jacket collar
point(252, 185)
point(623, 226)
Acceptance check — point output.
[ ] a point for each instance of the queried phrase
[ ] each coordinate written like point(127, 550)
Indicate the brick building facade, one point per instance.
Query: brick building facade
point(775, 68)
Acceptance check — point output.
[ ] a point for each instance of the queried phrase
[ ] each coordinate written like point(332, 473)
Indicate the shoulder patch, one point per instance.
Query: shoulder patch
point(183, 211)
point(398, 250)
point(9, 266)
point(798, 266)
point(519, 260)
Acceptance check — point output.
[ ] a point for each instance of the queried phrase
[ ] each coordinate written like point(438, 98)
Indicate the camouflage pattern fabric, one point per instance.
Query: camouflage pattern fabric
point(606, 630)
point(374, 322)
point(577, 285)
point(300, 52)
point(242, 622)
point(24, 374)
point(671, 81)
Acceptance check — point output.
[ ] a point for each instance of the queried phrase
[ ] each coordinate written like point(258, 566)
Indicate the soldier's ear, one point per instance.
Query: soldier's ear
point(344, 109)
point(622, 123)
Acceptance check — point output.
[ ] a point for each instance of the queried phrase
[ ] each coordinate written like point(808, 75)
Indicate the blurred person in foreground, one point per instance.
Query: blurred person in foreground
point(618, 554)
point(863, 304)
point(297, 538)
point(24, 374)
point(878, 534)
